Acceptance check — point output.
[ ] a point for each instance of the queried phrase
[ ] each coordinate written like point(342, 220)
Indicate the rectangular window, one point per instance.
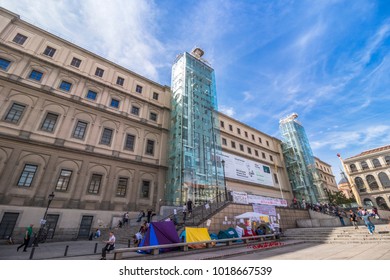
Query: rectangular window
point(120, 81)
point(122, 186)
point(253, 137)
point(4, 64)
point(246, 134)
point(222, 124)
point(35, 75)
point(130, 141)
point(63, 180)
point(49, 122)
point(80, 129)
point(267, 143)
point(49, 51)
point(256, 153)
point(249, 150)
point(153, 116)
point(149, 147)
point(94, 184)
point(241, 147)
point(106, 136)
point(276, 178)
point(114, 103)
point(233, 144)
point(135, 110)
point(271, 158)
point(230, 127)
point(27, 175)
point(19, 39)
point(238, 131)
point(99, 72)
point(15, 112)
point(224, 142)
point(65, 86)
point(263, 155)
point(75, 62)
point(138, 89)
point(155, 95)
point(91, 95)
point(145, 189)
point(260, 140)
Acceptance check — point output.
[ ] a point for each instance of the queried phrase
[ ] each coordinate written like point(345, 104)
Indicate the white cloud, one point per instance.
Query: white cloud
point(248, 96)
point(227, 110)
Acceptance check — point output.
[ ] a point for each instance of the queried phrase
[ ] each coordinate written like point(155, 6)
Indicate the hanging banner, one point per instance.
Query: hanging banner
point(247, 170)
point(240, 197)
point(266, 200)
point(269, 210)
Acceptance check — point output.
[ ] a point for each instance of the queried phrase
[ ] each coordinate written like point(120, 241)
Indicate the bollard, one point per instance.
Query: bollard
point(128, 243)
point(95, 248)
point(32, 253)
point(66, 250)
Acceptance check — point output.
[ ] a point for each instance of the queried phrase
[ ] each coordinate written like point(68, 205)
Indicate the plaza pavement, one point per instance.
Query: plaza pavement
point(293, 250)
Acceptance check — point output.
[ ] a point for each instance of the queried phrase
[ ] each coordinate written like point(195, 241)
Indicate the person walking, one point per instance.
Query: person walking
point(110, 245)
point(26, 238)
point(353, 218)
point(184, 213)
point(369, 224)
point(189, 207)
point(339, 214)
point(149, 215)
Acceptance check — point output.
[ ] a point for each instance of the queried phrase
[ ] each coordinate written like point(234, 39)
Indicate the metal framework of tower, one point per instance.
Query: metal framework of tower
point(194, 163)
point(299, 159)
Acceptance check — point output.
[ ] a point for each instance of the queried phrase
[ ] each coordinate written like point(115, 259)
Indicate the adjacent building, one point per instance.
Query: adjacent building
point(78, 125)
point(253, 161)
point(369, 172)
point(300, 163)
point(327, 179)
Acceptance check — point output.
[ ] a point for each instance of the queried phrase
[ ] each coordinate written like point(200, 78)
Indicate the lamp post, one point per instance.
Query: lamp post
point(43, 221)
point(224, 180)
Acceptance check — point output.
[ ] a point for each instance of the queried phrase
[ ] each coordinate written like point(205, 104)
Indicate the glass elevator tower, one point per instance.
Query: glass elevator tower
point(195, 170)
point(300, 164)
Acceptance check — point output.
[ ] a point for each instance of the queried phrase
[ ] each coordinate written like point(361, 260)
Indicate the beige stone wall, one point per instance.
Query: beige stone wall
point(288, 217)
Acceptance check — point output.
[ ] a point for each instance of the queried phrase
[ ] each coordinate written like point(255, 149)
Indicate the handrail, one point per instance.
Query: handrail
point(155, 249)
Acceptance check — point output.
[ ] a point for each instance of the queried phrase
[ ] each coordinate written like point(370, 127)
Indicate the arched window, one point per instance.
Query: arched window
point(368, 202)
point(387, 159)
point(381, 203)
point(353, 167)
point(364, 165)
point(376, 162)
point(384, 179)
point(360, 184)
point(372, 182)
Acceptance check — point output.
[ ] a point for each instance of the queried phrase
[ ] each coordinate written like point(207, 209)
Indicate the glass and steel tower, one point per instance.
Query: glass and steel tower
point(195, 170)
point(300, 164)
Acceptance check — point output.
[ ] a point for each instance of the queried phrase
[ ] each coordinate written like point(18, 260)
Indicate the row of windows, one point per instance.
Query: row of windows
point(49, 122)
point(372, 183)
point(222, 123)
point(63, 182)
point(326, 178)
point(249, 149)
point(323, 167)
point(364, 165)
point(75, 62)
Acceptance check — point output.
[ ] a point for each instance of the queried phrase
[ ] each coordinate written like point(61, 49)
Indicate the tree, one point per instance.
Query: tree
point(339, 198)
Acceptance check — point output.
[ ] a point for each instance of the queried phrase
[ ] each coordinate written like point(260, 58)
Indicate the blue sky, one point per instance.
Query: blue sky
point(327, 60)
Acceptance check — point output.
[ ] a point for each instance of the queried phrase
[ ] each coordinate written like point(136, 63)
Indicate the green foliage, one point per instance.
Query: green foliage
point(339, 198)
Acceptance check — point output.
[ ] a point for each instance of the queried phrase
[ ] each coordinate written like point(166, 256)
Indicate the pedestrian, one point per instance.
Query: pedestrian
point(97, 233)
point(375, 212)
point(125, 218)
point(303, 203)
point(353, 219)
point(369, 224)
point(141, 214)
point(26, 238)
point(295, 202)
point(339, 214)
point(110, 245)
point(143, 228)
point(189, 207)
point(149, 216)
point(184, 212)
point(175, 216)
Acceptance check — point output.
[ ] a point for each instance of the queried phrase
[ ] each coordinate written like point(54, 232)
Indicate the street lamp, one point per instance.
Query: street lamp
point(224, 180)
point(43, 221)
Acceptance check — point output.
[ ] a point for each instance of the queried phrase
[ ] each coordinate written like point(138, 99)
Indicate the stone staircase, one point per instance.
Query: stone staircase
point(344, 235)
